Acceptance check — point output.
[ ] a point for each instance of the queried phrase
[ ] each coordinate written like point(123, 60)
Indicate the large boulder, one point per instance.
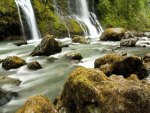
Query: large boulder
point(74, 55)
point(34, 65)
point(80, 39)
point(48, 46)
point(130, 42)
point(113, 34)
point(13, 62)
point(121, 65)
point(91, 91)
point(37, 104)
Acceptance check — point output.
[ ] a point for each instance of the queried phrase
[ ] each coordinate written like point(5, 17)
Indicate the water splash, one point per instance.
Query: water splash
point(27, 10)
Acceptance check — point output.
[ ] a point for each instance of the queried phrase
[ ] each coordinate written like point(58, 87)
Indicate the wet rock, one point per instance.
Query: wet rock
point(121, 65)
point(21, 43)
point(80, 39)
point(113, 34)
point(37, 104)
point(131, 42)
point(74, 55)
point(34, 65)
point(147, 58)
point(130, 65)
point(6, 96)
point(106, 62)
point(91, 91)
point(7, 80)
point(52, 59)
point(48, 46)
point(12, 62)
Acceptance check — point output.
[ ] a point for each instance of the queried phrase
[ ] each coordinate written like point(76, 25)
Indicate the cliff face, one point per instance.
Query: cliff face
point(49, 22)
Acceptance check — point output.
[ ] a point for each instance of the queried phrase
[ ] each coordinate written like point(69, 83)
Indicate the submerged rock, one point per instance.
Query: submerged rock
point(21, 43)
point(131, 42)
point(48, 46)
point(80, 39)
point(8, 80)
point(121, 65)
point(74, 55)
point(34, 65)
point(6, 96)
point(91, 91)
point(13, 62)
point(37, 104)
point(113, 34)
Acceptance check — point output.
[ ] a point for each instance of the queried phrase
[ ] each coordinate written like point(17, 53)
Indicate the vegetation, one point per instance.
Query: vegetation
point(131, 14)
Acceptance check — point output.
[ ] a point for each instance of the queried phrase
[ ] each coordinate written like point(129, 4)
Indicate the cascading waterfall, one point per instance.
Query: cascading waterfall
point(27, 9)
point(86, 18)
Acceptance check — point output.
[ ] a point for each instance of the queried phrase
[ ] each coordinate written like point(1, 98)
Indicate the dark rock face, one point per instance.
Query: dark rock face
point(48, 46)
point(34, 65)
point(12, 62)
point(113, 34)
point(74, 56)
point(37, 104)
point(91, 91)
point(80, 39)
point(121, 65)
point(6, 97)
point(131, 42)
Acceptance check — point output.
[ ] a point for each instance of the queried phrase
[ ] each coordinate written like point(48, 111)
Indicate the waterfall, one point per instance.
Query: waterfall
point(86, 18)
point(27, 10)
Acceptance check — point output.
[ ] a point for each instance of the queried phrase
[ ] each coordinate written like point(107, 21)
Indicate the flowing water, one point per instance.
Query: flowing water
point(86, 18)
point(49, 80)
point(28, 12)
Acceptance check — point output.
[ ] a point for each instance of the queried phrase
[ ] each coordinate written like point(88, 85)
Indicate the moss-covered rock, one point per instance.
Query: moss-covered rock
point(34, 65)
point(80, 39)
point(90, 90)
point(74, 55)
point(13, 62)
point(121, 65)
point(48, 46)
point(147, 58)
point(113, 34)
point(37, 104)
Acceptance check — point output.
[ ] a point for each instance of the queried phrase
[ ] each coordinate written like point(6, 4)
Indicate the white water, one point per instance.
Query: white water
point(27, 9)
point(87, 19)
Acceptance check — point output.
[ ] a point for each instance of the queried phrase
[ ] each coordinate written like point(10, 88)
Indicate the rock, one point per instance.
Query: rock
point(131, 42)
point(12, 62)
point(37, 104)
point(80, 39)
point(147, 65)
point(128, 35)
point(147, 58)
point(21, 43)
point(91, 91)
point(7, 80)
point(34, 65)
point(48, 46)
point(113, 34)
point(1, 60)
point(121, 65)
point(106, 62)
point(52, 59)
point(74, 55)
point(6, 96)
point(130, 65)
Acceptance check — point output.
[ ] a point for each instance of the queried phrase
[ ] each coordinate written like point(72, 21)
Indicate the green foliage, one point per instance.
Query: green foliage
point(131, 14)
